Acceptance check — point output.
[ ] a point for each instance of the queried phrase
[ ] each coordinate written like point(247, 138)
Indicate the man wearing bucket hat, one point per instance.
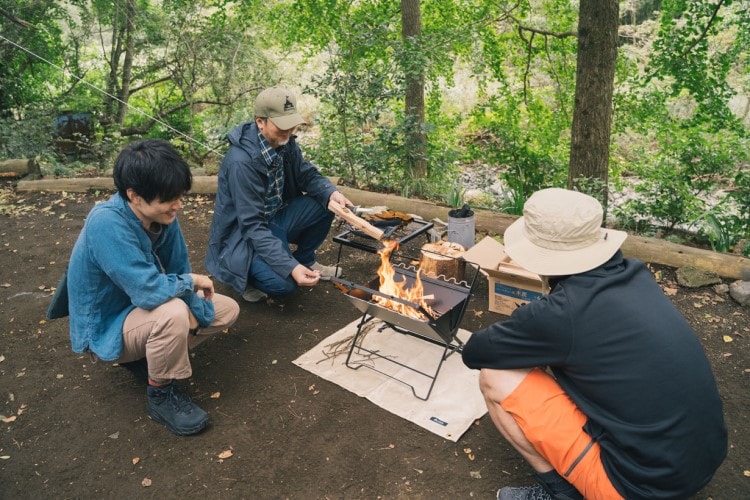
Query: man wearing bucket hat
point(631, 408)
point(269, 197)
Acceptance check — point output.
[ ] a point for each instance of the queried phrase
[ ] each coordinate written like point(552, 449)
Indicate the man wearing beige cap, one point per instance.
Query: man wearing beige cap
point(628, 407)
point(269, 197)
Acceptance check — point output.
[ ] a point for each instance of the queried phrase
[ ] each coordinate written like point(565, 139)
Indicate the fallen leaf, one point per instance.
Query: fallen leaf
point(2, 358)
point(216, 395)
point(225, 454)
point(136, 460)
point(727, 338)
point(6, 285)
point(475, 474)
point(10, 419)
point(59, 376)
point(471, 456)
point(671, 292)
point(478, 313)
point(746, 473)
point(115, 435)
point(146, 482)
point(5, 457)
point(467, 450)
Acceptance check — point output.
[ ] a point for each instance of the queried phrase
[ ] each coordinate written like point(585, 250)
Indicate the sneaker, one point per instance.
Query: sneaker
point(252, 294)
point(167, 405)
point(139, 369)
point(326, 272)
point(535, 492)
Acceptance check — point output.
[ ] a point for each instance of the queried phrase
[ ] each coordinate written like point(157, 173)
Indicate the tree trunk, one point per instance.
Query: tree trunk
point(127, 67)
point(113, 85)
point(592, 113)
point(20, 168)
point(411, 31)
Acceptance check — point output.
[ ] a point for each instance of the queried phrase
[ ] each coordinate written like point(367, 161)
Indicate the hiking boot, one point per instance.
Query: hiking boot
point(252, 294)
point(167, 405)
point(139, 369)
point(326, 272)
point(535, 492)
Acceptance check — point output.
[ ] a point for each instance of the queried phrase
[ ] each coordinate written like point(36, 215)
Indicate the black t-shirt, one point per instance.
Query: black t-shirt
point(632, 364)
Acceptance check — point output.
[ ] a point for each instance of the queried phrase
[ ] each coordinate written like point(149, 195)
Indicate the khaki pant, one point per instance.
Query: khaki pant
point(162, 336)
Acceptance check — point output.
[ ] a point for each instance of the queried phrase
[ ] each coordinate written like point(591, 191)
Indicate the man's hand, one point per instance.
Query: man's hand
point(304, 276)
point(203, 283)
point(340, 199)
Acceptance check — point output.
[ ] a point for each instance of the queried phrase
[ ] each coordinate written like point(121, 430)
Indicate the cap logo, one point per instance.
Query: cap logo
point(288, 105)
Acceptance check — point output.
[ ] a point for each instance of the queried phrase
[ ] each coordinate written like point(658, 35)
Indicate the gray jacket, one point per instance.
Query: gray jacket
point(239, 229)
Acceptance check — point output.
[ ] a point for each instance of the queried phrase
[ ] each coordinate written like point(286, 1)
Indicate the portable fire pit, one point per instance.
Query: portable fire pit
point(439, 325)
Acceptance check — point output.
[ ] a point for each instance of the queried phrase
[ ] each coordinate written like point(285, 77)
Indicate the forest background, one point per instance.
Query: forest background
point(642, 103)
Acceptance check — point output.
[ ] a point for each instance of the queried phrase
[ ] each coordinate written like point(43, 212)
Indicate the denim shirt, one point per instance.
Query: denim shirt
point(114, 268)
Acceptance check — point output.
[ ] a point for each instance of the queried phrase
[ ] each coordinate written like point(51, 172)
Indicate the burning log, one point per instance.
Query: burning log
point(443, 258)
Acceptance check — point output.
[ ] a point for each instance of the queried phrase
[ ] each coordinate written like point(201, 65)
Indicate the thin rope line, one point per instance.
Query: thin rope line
point(70, 74)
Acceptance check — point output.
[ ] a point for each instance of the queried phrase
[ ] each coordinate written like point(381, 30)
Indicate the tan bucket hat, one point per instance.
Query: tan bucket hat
point(560, 234)
point(280, 106)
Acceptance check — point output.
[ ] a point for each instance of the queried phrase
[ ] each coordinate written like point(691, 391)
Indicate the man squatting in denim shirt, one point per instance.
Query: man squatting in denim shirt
point(132, 296)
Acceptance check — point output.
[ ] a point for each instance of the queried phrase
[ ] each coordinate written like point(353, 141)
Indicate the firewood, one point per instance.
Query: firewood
point(443, 258)
point(355, 221)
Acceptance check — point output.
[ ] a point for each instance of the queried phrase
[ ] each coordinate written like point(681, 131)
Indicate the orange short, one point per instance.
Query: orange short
point(553, 424)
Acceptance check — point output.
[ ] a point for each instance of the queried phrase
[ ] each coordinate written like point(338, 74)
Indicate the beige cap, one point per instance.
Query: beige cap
point(560, 234)
point(280, 106)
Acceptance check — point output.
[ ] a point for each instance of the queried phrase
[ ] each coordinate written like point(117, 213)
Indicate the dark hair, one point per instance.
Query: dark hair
point(153, 169)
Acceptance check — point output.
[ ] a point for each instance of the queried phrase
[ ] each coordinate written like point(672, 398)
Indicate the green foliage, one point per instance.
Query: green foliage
point(530, 158)
point(665, 196)
point(694, 64)
point(200, 63)
point(674, 190)
point(728, 224)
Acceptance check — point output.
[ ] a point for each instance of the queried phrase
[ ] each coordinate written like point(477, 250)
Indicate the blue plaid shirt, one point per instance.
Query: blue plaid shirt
point(275, 189)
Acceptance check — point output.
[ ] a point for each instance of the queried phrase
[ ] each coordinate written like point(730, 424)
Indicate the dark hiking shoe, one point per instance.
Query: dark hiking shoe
point(535, 492)
point(138, 368)
point(169, 406)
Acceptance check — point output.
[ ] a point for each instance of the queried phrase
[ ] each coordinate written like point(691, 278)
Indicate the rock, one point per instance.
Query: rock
point(740, 291)
point(721, 289)
point(692, 277)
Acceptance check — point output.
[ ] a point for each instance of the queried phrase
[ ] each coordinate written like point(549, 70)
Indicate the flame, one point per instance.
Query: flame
point(389, 286)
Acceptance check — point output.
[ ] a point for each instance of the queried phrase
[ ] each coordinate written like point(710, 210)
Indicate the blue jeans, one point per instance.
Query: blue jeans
point(303, 222)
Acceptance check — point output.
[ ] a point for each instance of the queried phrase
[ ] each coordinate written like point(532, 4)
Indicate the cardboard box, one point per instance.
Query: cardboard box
point(511, 286)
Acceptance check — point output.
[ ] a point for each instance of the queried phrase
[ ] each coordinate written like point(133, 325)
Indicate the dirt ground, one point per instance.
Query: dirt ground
point(81, 429)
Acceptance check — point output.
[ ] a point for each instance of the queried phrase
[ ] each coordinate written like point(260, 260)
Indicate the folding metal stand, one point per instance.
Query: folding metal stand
point(449, 349)
point(452, 301)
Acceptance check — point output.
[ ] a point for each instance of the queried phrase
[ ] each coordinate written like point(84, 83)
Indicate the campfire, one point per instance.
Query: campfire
point(390, 286)
point(398, 298)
